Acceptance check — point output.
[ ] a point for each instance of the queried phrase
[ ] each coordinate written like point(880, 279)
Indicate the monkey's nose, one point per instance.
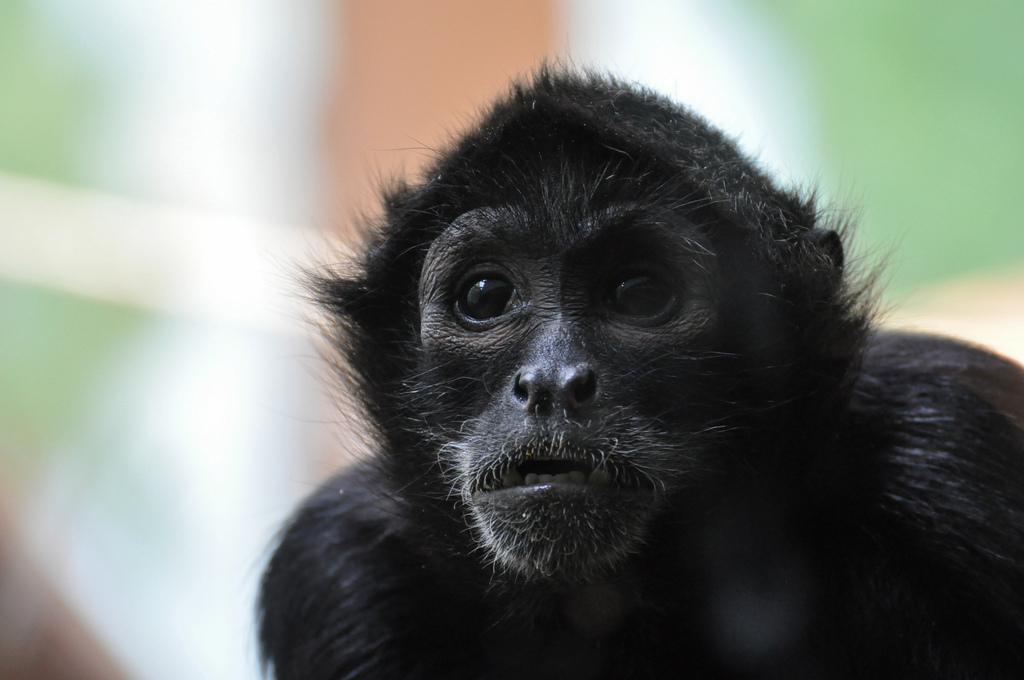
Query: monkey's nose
point(566, 389)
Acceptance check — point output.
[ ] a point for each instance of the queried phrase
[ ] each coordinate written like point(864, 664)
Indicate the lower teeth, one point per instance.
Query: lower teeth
point(513, 478)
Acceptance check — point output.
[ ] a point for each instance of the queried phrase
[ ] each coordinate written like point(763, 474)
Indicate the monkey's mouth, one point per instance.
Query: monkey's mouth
point(561, 465)
point(542, 471)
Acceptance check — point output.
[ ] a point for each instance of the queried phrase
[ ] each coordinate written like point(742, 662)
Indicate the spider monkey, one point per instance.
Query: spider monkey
point(633, 420)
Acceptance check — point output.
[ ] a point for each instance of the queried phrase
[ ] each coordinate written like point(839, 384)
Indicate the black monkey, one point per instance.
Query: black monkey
point(634, 421)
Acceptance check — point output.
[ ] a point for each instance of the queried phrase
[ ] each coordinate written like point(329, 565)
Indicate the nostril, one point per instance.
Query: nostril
point(524, 386)
point(546, 389)
point(582, 386)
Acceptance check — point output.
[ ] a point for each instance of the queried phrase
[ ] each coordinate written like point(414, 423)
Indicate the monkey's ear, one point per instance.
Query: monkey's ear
point(827, 243)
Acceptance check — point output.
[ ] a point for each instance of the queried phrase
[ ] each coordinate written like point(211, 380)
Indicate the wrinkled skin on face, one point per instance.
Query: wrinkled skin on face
point(561, 460)
point(592, 353)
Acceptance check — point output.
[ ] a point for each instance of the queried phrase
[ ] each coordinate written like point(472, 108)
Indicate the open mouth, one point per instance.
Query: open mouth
point(554, 471)
point(556, 465)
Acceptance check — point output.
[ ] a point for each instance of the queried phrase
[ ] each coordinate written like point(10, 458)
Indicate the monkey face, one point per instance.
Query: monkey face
point(577, 339)
point(568, 325)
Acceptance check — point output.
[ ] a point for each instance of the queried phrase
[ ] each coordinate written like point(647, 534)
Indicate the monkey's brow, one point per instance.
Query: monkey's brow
point(633, 220)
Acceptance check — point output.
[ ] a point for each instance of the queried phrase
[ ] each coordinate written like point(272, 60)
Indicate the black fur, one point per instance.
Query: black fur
point(783, 491)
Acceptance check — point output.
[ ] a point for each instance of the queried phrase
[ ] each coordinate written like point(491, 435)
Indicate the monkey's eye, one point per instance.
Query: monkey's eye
point(485, 297)
point(642, 297)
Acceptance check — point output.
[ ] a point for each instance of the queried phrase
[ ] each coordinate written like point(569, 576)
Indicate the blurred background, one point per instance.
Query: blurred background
point(166, 167)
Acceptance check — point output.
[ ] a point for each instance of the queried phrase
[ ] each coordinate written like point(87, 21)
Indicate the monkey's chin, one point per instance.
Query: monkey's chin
point(562, 532)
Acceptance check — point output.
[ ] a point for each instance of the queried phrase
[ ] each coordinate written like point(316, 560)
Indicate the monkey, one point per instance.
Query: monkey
point(633, 417)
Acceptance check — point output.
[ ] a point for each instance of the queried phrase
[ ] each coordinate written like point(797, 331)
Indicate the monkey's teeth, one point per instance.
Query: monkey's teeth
point(599, 476)
point(512, 478)
point(534, 479)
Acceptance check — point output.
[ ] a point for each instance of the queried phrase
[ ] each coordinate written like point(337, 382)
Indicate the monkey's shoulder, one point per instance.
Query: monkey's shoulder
point(941, 414)
point(344, 591)
point(943, 420)
point(920, 374)
point(352, 522)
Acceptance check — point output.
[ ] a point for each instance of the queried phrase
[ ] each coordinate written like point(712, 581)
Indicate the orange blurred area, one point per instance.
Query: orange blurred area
point(41, 637)
point(411, 74)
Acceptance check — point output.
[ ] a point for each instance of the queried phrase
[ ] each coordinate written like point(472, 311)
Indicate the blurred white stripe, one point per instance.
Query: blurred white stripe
point(157, 257)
